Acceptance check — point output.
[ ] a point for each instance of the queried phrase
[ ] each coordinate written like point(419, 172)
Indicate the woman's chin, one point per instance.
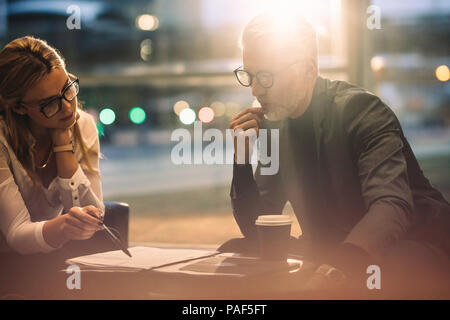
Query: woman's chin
point(65, 124)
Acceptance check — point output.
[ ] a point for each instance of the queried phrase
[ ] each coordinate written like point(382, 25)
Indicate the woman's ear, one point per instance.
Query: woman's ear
point(20, 109)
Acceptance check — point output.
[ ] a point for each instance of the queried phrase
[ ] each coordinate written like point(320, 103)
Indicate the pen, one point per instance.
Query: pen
point(112, 236)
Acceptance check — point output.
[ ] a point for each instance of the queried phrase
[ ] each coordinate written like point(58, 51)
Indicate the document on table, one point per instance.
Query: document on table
point(233, 265)
point(143, 258)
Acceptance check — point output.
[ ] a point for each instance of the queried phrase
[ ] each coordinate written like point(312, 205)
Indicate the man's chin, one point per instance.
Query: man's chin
point(280, 113)
point(277, 114)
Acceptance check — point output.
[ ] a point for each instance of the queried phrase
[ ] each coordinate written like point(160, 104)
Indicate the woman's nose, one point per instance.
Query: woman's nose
point(68, 105)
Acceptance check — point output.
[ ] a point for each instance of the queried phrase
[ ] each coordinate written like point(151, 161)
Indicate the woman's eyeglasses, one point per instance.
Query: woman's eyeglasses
point(52, 107)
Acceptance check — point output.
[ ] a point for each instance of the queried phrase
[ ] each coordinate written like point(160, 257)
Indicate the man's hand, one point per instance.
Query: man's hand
point(250, 118)
point(325, 279)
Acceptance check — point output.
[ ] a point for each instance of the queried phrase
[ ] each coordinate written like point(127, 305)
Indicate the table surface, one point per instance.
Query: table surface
point(229, 276)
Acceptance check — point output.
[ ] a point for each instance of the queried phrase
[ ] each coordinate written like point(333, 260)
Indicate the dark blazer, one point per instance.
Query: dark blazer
point(365, 187)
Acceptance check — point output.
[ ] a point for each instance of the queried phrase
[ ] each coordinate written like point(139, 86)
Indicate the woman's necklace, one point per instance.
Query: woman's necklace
point(42, 166)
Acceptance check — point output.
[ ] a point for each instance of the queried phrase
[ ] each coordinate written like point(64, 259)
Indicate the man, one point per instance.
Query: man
point(345, 166)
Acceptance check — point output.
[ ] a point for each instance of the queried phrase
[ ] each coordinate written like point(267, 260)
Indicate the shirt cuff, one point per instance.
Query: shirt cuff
point(45, 247)
point(72, 183)
point(351, 259)
point(379, 229)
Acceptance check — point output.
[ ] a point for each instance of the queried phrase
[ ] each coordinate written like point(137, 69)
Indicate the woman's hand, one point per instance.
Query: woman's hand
point(77, 224)
point(81, 223)
point(63, 136)
point(66, 162)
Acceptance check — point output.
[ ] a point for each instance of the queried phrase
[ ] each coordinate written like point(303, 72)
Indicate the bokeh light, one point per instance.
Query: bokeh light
point(107, 116)
point(206, 114)
point(137, 115)
point(179, 68)
point(100, 129)
point(180, 106)
point(232, 109)
point(147, 22)
point(218, 108)
point(442, 73)
point(377, 63)
point(146, 49)
point(187, 116)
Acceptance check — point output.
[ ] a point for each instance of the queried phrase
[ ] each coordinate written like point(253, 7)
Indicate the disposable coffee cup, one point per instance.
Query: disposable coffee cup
point(274, 232)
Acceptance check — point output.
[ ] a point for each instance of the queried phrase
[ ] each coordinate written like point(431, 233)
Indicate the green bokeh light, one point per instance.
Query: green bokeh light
point(137, 115)
point(100, 129)
point(107, 116)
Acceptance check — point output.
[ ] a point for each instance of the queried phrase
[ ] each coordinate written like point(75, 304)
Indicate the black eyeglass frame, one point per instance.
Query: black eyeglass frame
point(251, 76)
point(60, 97)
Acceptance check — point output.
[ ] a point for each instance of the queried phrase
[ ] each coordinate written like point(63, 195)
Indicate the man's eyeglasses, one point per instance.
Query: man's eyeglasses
point(69, 93)
point(264, 78)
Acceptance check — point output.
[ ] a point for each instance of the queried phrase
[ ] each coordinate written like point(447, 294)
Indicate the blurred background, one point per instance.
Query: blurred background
point(147, 67)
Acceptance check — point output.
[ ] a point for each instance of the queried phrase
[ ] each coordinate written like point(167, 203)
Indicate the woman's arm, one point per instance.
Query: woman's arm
point(77, 185)
point(66, 161)
point(21, 234)
point(27, 237)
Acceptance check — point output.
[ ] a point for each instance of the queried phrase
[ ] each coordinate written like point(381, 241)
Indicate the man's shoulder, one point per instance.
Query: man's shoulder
point(350, 102)
point(347, 96)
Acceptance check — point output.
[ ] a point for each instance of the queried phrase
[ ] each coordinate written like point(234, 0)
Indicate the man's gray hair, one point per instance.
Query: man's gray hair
point(270, 30)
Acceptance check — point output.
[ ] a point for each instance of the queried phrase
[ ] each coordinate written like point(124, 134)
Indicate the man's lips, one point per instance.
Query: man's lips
point(265, 106)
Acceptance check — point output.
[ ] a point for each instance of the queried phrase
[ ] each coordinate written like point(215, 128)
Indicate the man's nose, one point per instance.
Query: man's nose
point(257, 90)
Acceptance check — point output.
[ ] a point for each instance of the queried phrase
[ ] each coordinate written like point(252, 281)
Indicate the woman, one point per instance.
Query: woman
point(49, 152)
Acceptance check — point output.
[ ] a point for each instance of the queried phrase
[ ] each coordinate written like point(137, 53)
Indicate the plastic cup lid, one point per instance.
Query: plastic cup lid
point(273, 220)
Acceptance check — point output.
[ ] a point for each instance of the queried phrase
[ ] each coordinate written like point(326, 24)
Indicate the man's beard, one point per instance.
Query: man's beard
point(280, 112)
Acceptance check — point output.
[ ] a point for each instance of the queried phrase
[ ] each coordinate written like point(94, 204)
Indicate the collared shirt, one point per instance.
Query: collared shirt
point(25, 207)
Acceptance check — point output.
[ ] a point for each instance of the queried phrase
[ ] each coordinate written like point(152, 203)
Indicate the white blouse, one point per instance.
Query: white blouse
point(24, 210)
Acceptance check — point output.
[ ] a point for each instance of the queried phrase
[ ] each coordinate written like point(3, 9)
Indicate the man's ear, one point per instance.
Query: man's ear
point(310, 68)
point(20, 109)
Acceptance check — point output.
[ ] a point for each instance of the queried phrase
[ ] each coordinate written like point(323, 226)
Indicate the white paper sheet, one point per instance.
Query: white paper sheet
point(143, 258)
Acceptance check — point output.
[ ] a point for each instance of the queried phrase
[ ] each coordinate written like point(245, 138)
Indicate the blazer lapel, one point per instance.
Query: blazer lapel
point(319, 104)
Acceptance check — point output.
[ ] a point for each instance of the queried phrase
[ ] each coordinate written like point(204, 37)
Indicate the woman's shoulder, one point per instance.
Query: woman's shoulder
point(2, 125)
point(3, 131)
point(4, 145)
point(88, 128)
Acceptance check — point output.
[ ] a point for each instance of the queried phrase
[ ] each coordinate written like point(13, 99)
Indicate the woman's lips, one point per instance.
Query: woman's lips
point(67, 118)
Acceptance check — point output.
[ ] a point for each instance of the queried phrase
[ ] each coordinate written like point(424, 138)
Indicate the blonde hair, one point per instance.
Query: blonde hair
point(271, 30)
point(23, 62)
